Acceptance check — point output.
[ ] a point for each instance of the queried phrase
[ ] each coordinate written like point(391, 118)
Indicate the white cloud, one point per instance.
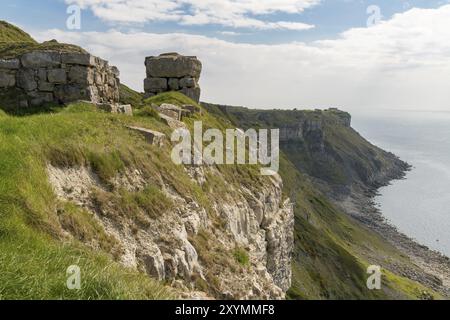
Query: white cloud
point(229, 13)
point(403, 62)
point(230, 33)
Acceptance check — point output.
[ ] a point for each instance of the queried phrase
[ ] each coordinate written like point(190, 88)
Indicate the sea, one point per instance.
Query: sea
point(419, 206)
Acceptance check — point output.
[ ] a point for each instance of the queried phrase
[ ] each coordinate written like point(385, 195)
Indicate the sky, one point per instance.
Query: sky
point(352, 54)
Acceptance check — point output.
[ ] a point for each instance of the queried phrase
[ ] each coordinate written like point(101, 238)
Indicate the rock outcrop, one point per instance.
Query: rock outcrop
point(173, 72)
point(153, 137)
point(39, 77)
point(191, 247)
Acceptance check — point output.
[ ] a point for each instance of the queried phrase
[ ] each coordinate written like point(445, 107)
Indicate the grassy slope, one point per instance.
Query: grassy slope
point(129, 96)
point(332, 251)
point(33, 258)
point(34, 253)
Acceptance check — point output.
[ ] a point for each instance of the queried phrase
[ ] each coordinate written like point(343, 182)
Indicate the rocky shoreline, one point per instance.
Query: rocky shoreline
point(430, 268)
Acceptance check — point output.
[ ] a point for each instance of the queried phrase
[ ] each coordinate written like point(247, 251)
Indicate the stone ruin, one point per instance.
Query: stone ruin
point(41, 77)
point(173, 72)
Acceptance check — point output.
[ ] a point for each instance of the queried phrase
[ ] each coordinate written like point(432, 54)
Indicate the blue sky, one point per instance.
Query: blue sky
point(329, 17)
point(269, 53)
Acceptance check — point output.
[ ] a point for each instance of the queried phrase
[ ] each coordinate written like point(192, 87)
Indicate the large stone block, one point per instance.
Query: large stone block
point(57, 76)
point(116, 108)
point(154, 84)
point(173, 65)
point(46, 76)
point(10, 64)
point(170, 110)
point(174, 84)
point(83, 59)
point(40, 98)
point(7, 80)
point(153, 137)
point(41, 59)
point(193, 93)
point(26, 79)
point(188, 83)
point(70, 92)
point(81, 75)
point(46, 86)
point(42, 74)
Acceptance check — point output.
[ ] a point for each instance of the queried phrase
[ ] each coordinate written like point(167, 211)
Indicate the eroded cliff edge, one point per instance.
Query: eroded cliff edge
point(239, 246)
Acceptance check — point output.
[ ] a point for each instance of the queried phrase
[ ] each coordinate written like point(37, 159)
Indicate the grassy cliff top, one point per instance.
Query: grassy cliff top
point(12, 34)
point(15, 42)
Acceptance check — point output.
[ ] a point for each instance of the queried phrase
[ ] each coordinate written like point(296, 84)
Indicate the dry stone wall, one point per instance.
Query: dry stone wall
point(173, 72)
point(48, 76)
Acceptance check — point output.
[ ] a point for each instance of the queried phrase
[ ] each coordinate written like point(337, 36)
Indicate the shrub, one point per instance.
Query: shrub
point(241, 256)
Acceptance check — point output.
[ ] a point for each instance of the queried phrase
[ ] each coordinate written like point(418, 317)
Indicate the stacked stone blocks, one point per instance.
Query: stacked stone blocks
point(173, 72)
point(58, 77)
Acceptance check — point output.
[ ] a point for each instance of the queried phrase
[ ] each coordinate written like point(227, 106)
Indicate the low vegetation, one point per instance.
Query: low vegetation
point(129, 96)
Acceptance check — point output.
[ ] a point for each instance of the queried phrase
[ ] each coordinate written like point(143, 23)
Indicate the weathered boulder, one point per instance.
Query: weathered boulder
point(170, 110)
point(153, 137)
point(116, 108)
point(190, 109)
point(115, 71)
point(173, 65)
point(171, 122)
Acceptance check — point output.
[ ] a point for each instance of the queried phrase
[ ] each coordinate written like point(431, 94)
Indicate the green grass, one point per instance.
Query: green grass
point(33, 260)
point(129, 96)
point(13, 50)
point(11, 34)
point(147, 111)
point(175, 98)
point(34, 267)
point(241, 256)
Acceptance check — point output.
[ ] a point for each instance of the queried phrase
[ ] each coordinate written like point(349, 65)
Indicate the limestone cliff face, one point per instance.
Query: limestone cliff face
point(240, 248)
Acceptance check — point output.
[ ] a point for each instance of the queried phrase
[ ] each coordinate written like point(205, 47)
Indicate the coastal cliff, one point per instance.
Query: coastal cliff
point(88, 189)
point(332, 174)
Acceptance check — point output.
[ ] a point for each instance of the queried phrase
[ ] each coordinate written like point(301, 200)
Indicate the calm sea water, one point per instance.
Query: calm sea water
point(420, 205)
